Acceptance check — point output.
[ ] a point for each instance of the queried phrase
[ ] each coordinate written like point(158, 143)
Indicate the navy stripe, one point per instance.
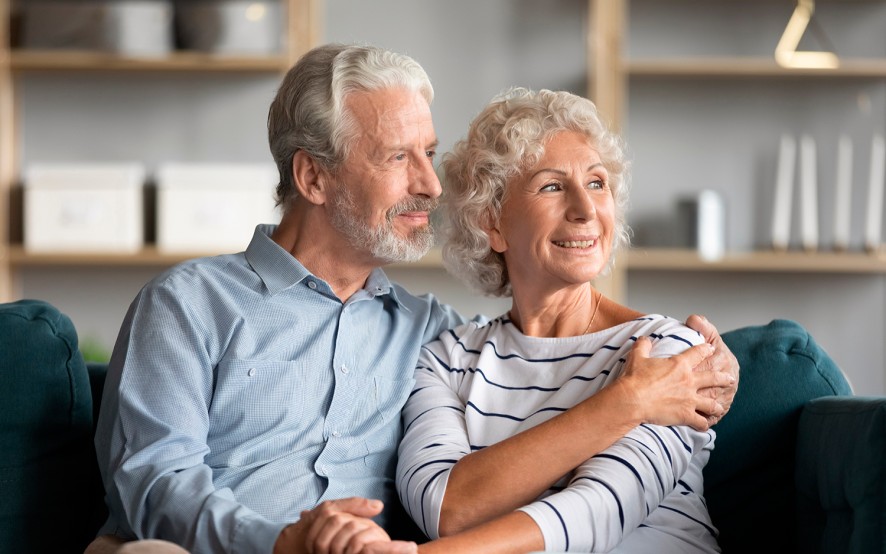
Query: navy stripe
point(424, 519)
point(515, 418)
point(562, 523)
point(679, 438)
point(621, 512)
point(429, 410)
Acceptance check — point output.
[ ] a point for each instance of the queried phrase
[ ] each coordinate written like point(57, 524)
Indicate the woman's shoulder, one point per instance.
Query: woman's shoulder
point(663, 327)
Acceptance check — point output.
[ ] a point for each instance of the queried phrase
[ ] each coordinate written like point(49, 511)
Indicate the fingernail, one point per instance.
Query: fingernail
point(375, 504)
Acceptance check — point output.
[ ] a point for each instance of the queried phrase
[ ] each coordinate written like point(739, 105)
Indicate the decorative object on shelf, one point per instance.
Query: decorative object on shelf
point(209, 207)
point(786, 53)
point(136, 28)
point(784, 192)
point(843, 194)
point(229, 26)
point(874, 224)
point(84, 207)
point(702, 220)
point(808, 194)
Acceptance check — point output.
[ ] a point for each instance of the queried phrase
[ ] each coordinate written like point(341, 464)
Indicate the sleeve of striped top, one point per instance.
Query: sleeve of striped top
point(612, 493)
point(435, 437)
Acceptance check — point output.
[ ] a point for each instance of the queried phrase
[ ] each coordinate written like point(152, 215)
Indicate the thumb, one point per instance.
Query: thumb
point(642, 347)
point(358, 506)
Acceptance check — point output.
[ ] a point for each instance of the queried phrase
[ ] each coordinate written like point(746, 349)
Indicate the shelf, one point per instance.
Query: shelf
point(656, 259)
point(761, 261)
point(147, 257)
point(748, 67)
point(60, 60)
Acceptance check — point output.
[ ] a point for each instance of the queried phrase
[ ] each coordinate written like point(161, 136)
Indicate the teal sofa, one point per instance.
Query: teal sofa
point(799, 463)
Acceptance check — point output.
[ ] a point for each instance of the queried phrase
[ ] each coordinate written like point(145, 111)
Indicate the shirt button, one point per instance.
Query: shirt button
point(312, 285)
point(336, 434)
point(251, 371)
point(344, 369)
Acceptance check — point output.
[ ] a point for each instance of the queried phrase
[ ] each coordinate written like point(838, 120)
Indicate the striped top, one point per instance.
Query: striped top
point(479, 384)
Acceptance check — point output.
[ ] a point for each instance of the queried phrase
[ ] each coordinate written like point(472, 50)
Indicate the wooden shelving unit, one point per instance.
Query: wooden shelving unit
point(610, 75)
point(302, 24)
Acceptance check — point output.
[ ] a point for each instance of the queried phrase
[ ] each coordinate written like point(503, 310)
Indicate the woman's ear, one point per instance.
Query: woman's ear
point(493, 230)
point(310, 177)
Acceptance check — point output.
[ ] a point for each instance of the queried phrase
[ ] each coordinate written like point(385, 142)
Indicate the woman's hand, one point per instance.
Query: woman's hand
point(340, 527)
point(722, 360)
point(669, 391)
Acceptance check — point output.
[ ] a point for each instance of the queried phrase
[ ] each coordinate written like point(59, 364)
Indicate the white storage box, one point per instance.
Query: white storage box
point(213, 207)
point(128, 27)
point(84, 208)
point(229, 26)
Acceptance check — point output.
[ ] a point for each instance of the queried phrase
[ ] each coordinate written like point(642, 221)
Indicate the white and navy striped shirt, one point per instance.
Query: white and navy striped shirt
point(479, 384)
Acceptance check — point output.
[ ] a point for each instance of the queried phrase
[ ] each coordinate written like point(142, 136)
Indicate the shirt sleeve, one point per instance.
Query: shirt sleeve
point(160, 441)
point(435, 436)
point(612, 493)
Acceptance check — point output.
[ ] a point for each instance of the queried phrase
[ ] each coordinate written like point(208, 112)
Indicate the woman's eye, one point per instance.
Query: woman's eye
point(597, 184)
point(551, 187)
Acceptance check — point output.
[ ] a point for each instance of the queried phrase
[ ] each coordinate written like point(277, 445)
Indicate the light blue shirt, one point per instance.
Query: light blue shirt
point(242, 391)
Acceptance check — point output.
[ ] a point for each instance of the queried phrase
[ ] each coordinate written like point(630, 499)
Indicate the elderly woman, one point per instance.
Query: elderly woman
point(536, 198)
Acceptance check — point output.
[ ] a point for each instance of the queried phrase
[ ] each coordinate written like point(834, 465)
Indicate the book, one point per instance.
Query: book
point(784, 192)
point(808, 194)
point(874, 222)
point(843, 194)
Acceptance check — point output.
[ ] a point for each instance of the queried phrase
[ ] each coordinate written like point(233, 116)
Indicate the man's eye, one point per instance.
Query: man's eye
point(430, 153)
point(400, 157)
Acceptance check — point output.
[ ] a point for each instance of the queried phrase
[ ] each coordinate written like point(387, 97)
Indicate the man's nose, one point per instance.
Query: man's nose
point(424, 180)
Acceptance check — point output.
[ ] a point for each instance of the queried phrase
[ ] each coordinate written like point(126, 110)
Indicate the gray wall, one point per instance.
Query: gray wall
point(684, 136)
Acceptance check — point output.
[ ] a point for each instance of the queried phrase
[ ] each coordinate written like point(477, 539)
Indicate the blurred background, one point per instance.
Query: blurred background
point(692, 85)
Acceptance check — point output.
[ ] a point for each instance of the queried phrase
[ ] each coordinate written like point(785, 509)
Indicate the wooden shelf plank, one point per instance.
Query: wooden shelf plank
point(748, 67)
point(656, 259)
point(759, 261)
point(61, 60)
point(149, 256)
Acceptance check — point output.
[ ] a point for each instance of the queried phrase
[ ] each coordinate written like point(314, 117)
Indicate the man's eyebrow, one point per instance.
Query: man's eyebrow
point(561, 172)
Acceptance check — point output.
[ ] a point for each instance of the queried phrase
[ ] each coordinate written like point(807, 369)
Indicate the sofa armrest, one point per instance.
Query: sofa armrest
point(841, 475)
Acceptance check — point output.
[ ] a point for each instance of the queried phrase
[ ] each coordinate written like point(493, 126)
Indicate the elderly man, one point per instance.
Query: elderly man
point(253, 400)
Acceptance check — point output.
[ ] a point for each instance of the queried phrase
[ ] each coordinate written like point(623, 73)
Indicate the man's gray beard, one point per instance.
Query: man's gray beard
point(382, 241)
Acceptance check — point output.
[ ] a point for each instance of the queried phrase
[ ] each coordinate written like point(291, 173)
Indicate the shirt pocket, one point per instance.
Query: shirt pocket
point(261, 407)
point(377, 413)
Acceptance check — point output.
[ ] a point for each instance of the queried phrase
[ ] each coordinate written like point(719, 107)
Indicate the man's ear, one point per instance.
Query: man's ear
point(311, 178)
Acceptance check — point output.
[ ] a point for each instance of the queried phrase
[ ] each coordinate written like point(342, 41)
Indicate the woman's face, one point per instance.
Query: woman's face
point(558, 218)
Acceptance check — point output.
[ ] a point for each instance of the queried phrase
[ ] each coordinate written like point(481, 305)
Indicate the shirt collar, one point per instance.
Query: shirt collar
point(279, 270)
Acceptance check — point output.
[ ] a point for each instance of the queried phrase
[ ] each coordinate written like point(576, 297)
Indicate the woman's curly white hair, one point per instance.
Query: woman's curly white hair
point(506, 139)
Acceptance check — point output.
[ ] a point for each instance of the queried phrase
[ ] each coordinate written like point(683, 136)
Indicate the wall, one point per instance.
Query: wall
point(472, 50)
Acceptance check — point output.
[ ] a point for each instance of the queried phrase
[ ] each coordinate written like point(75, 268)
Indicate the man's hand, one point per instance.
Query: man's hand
point(340, 527)
point(721, 360)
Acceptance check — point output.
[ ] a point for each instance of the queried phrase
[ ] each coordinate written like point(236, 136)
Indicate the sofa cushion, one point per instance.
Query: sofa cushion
point(841, 475)
point(48, 475)
point(749, 481)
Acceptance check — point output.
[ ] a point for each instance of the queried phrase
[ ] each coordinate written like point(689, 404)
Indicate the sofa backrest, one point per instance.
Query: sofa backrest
point(50, 490)
point(749, 480)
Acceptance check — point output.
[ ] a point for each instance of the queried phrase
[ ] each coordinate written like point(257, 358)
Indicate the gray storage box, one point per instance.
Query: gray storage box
point(229, 26)
point(126, 27)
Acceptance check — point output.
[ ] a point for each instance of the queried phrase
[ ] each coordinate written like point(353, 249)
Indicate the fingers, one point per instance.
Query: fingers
point(393, 547)
point(696, 355)
point(342, 525)
point(709, 379)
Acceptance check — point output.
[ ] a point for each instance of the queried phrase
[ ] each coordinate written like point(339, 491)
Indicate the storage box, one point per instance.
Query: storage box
point(213, 207)
point(127, 27)
point(84, 208)
point(229, 26)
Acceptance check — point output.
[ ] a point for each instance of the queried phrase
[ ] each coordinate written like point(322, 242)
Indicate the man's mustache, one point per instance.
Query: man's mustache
point(413, 204)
